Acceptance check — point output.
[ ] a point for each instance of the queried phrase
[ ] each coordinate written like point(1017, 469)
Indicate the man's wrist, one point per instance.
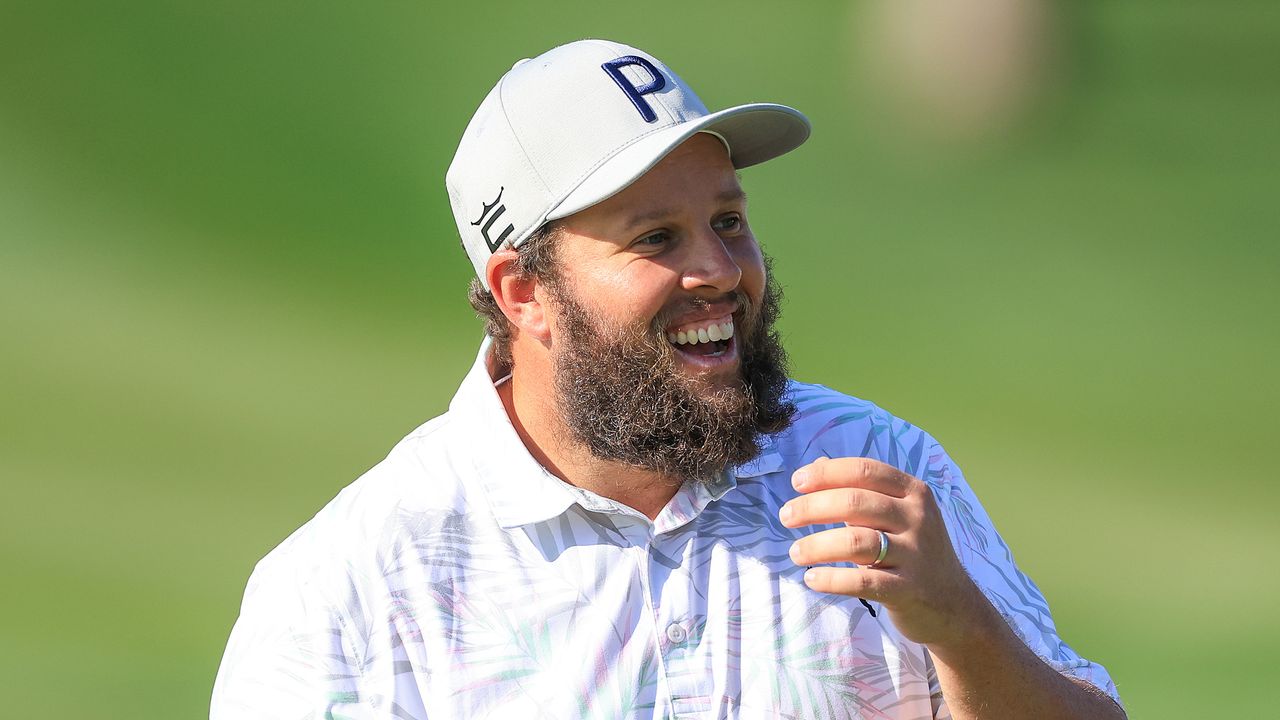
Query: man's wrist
point(983, 634)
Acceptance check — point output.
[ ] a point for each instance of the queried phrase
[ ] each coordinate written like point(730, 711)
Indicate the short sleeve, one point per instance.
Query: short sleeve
point(290, 654)
point(989, 562)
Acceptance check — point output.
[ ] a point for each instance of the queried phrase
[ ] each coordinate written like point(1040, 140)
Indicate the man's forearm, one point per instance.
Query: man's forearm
point(995, 675)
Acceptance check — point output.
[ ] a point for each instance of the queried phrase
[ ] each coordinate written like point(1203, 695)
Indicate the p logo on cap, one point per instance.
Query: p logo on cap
point(636, 94)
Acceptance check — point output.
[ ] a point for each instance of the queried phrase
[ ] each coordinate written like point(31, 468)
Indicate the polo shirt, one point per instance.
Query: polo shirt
point(460, 579)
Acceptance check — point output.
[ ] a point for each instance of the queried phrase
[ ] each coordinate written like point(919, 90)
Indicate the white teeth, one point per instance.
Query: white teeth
point(711, 333)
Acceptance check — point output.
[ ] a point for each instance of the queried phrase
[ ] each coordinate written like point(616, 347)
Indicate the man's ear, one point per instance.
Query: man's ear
point(516, 296)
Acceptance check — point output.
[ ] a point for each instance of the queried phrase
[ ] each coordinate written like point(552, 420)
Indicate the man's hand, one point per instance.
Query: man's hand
point(984, 670)
point(920, 581)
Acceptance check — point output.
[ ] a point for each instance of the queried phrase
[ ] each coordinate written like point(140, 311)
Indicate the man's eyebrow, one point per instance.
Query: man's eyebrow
point(732, 194)
point(726, 196)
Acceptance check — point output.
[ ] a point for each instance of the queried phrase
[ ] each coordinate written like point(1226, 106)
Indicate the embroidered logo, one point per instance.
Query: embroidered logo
point(636, 94)
point(493, 243)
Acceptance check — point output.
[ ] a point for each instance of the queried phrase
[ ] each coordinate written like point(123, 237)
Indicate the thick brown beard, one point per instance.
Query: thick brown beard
point(620, 394)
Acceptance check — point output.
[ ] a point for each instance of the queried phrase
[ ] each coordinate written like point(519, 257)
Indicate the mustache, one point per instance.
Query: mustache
point(742, 305)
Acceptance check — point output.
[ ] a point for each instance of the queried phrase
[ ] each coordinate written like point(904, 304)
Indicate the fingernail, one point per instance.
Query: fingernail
point(810, 577)
point(785, 514)
point(800, 478)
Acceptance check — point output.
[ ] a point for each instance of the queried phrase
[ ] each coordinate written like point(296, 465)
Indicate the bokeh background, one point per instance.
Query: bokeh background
point(229, 282)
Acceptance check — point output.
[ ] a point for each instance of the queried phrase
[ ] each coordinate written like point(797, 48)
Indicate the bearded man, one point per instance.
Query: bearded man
point(629, 510)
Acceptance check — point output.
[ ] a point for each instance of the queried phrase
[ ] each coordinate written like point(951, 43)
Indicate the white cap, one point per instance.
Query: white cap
point(578, 124)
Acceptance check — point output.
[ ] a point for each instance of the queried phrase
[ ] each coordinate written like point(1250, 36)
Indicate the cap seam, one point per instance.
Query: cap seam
point(524, 154)
point(657, 97)
point(528, 163)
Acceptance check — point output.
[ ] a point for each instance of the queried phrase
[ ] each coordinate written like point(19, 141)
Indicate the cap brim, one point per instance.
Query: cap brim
point(755, 133)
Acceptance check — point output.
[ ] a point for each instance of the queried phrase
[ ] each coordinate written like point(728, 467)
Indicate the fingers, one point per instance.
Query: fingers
point(846, 505)
point(847, 544)
point(877, 585)
point(827, 473)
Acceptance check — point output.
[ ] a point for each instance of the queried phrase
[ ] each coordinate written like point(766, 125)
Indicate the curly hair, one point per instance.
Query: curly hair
point(535, 258)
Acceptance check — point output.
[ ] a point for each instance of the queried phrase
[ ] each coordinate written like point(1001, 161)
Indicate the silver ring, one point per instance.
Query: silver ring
point(884, 549)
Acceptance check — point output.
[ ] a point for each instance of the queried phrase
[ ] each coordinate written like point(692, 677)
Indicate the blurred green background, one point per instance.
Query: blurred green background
point(229, 282)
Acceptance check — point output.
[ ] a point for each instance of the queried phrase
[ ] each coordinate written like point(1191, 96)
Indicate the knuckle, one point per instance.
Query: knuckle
point(866, 470)
point(852, 503)
point(859, 583)
point(853, 543)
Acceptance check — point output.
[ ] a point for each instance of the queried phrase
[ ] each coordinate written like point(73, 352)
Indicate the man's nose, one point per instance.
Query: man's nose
point(712, 266)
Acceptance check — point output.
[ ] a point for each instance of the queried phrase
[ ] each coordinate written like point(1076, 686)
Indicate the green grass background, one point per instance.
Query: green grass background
point(229, 282)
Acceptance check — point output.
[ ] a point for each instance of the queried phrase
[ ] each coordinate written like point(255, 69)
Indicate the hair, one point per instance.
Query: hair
point(535, 258)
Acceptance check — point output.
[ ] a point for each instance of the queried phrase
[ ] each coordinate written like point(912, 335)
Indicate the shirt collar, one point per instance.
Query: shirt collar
point(520, 491)
point(769, 460)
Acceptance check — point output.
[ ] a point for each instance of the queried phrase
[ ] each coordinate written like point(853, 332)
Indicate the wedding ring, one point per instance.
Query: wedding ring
point(884, 549)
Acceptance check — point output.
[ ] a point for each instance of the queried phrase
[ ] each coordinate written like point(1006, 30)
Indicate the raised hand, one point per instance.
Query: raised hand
point(918, 578)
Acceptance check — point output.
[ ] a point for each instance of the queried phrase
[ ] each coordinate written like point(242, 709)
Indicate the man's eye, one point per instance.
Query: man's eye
point(730, 222)
point(652, 239)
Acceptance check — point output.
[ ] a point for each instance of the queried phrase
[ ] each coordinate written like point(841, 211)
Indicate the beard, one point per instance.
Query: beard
point(621, 395)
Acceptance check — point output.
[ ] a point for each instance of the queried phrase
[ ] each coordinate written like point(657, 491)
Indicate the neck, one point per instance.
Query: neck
point(531, 408)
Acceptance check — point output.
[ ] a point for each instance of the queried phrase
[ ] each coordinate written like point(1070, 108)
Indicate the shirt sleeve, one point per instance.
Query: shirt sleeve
point(290, 654)
point(989, 562)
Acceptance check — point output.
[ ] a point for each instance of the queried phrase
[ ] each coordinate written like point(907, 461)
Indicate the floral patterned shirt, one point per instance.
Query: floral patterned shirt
point(459, 579)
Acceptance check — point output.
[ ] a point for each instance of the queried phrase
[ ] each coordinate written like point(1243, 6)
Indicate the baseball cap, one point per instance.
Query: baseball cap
point(576, 125)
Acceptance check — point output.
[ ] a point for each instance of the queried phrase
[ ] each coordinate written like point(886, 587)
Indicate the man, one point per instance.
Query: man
point(628, 510)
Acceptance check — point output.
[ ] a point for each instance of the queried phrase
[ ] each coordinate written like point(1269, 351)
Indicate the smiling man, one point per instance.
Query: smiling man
point(629, 510)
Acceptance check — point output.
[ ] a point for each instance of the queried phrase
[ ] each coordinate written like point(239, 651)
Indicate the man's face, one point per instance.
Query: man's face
point(661, 320)
point(674, 247)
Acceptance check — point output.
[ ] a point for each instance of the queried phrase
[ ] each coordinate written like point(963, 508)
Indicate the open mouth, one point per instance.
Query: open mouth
point(706, 338)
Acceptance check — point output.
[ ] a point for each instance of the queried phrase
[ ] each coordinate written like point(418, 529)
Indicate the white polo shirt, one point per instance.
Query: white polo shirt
point(459, 579)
